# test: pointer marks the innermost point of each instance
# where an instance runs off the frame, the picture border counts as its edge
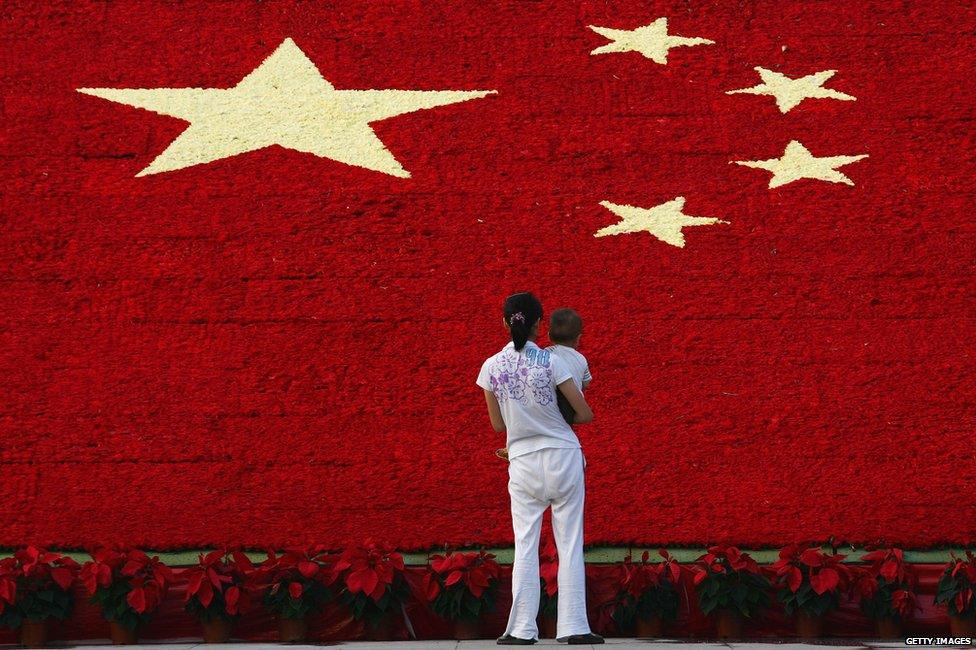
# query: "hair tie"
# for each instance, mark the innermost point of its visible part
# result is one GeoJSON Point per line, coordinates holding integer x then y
{"type": "Point", "coordinates": [517, 316]}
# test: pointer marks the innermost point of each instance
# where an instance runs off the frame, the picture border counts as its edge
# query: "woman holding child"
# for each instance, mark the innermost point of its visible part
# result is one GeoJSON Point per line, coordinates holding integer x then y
{"type": "Point", "coordinates": [521, 385]}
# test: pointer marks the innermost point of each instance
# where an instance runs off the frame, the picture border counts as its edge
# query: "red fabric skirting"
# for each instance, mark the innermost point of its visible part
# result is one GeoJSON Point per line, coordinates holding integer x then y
{"type": "Point", "coordinates": [334, 624]}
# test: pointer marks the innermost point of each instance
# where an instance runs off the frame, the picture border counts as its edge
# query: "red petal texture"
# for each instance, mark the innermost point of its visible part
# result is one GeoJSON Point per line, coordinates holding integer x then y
{"type": "Point", "coordinates": [364, 580]}
{"type": "Point", "coordinates": [431, 587]}
{"type": "Point", "coordinates": [794, 579]}
{"type": "Point", "coordinates": [824, 580]}
{"type": "Point", "coordinates": [377, 591]}
{"type": "Point", "coordinates": [233, 598]}
{"type": "Point", "coordinates": [8, 590]}
{"type": "Point", "coordinates": [453, 578]}
{"type": "Point", "coordinates": [215, 578]}
{"type": "Point", "coordinates": [206, 593]}
{"type": "Point", "coordinates": [889, 570]}
{"type": "Point", "coordinates": [194, 579]}
{"type": "Point", "coordinates": [63, 577]}
{"type": "Point", "coordinates": [812, 557]}
{"type": "Point", "coordinates": [137, 599]}
{"type": "Point", "coordinates": [290, 332]}
{"type": "Point", "coordinates": [104, 575]}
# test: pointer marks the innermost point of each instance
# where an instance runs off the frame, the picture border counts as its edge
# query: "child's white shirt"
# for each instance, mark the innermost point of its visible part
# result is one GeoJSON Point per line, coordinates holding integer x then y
{"type": "Point", "coordinates": [575, 362]}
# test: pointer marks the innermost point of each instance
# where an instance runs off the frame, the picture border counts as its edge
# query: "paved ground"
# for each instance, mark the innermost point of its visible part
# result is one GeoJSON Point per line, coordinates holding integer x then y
{"type": "Point", "coordinates": [612, 644]}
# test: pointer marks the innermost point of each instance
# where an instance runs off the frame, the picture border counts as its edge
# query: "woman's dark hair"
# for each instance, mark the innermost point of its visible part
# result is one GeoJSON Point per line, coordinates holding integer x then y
{"type": "Point", "coordinates": [522, 312]}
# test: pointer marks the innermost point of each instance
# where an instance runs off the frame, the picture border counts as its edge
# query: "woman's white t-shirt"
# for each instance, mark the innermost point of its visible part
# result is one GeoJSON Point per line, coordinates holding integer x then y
{"type": "Point", "coordinates": [524, 383]}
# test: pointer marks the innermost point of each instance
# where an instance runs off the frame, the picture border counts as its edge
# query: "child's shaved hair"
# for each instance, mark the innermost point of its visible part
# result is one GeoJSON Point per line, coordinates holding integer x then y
{"type": "Point", "coordinates": [564, 326]}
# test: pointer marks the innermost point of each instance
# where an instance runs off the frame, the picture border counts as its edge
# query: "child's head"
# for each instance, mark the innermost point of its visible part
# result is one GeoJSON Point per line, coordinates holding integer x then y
{"type": "Point", "coordinates": [523, 311]}
{"type": "Point", "coordinates": [565, 327]}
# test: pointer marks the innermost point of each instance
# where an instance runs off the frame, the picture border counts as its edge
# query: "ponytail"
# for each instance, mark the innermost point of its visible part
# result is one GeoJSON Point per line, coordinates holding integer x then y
{"type": "Point", "coordinates": [519, 330]}
{"type": "Point", "coordinates": [522, 312]}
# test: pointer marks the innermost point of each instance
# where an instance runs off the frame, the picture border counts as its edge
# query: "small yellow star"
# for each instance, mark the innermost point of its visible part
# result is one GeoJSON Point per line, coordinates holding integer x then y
{"type": "Point", "coordinates": [664, 221]}
{"type": "Point", "coordinates": [653, 41]}
{"type": "Point", "coordinates": [789, 92]}
{"type": "Point", "coordinates": [797, 162]}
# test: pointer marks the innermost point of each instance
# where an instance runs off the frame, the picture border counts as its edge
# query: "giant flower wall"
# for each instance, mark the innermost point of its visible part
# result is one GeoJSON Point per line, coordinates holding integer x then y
{"type": "Point", "coordinates": [252, 312]}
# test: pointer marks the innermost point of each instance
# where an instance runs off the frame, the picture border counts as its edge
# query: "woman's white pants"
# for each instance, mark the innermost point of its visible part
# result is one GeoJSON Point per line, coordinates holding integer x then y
{"type": "Point", "coordinates": [537, 480]}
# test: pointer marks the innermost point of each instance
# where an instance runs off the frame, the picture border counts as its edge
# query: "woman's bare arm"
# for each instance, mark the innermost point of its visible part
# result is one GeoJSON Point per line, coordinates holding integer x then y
{"type": "Point", "coordinates": [577, 401]}
{"type": "Point", "coordinates": [494, 412]}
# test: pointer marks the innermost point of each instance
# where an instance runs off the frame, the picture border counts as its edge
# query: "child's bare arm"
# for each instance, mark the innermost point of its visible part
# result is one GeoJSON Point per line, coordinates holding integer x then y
{"type": "Point", "coordinates": [577, 401]}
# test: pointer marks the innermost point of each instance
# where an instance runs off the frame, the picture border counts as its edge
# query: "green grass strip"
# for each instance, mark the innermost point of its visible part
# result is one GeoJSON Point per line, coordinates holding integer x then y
{"type": "Point", "coordinates": [593, 555]}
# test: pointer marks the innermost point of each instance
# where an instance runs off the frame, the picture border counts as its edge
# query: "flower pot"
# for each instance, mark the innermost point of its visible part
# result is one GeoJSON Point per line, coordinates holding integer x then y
{"type": "Point", "coordinates": [888, 628]}
{"type": "Point", "coordinates": [292, 630]}
{"type": "Point", "coordinates": [547, 627]}
{"type": "Point", "coordinates": [962, 626]}
{"type": "Point", "coordinates": [380, 629]}
{"type": "Point", "coordinates": [649, 628]}
{"type": "Point", "coordinates": [728, 624]}
{"type": "Point", "coordinates": [122, 635]}
{"type": "Point", "coordinates": [33, 634]}
{"type": "Point", "coordinates": [216, 630]}
{"type": "Point", "coordinates": [809, 626]}
{"type": "Point", "coordinates": [467, 629]}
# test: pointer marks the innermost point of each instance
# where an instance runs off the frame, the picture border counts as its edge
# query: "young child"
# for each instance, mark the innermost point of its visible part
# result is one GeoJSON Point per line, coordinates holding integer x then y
{"type": "Point", "coordinates": [565, 329]}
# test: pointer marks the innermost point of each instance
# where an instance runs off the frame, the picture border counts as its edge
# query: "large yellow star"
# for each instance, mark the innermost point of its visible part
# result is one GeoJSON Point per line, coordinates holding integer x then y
{"type": "Point", "coordinates": [284, 101]}
{"type": "Point", "coordinates": [664, 221]}
{"type": "Point", "coordinates": [652, 41]}
{"type": "Point", "coordinates": [789, 92]}
{"type": "Point", "coordinates": [797, 162]}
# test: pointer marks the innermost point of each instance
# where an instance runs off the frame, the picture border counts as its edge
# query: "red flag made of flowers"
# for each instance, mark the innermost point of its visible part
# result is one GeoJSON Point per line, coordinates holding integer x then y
{"type": "Point", "coordinates": [254, 254]}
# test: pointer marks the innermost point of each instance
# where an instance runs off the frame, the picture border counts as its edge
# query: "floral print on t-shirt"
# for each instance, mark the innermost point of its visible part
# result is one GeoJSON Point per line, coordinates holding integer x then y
{"type": "Point", "coordinates": [526, 378]}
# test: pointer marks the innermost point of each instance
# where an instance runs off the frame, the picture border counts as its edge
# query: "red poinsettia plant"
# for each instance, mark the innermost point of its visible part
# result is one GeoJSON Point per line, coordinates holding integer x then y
{"type": "Point", "coordinates": [647, 589]}
{"type": "Point", "coordinates": [8, 588]}
{"type": "Point", "coordinates": [886, 587]}
{"type": "Point", "coordinates": [729, 580]}
{"type": "Point", "coordinates": [35, 585]}
{"type": "Point", "coordinates": [809, 580]}
{"type": "Point", "coordinates": [296, 583]}
{"type": "Point", "coordinates": [462, 585]}
{"type": "Point", "coordinates": [371, 581]}
{"type": "Point", "coordinates": [955, 589]}
{"type": "Point", "coordinates": [956, 586]}
{"type": "Point", "coordinates": [220, 586]}
{"type": "Point", "coordinates": [127, 584]}
{"type": "Point", "coordinates": [548, 574]}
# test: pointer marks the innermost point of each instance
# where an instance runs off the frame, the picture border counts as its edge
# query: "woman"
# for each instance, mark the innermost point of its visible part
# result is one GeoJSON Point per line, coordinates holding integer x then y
{"type": "Point", "coordinates": [545, 470]}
